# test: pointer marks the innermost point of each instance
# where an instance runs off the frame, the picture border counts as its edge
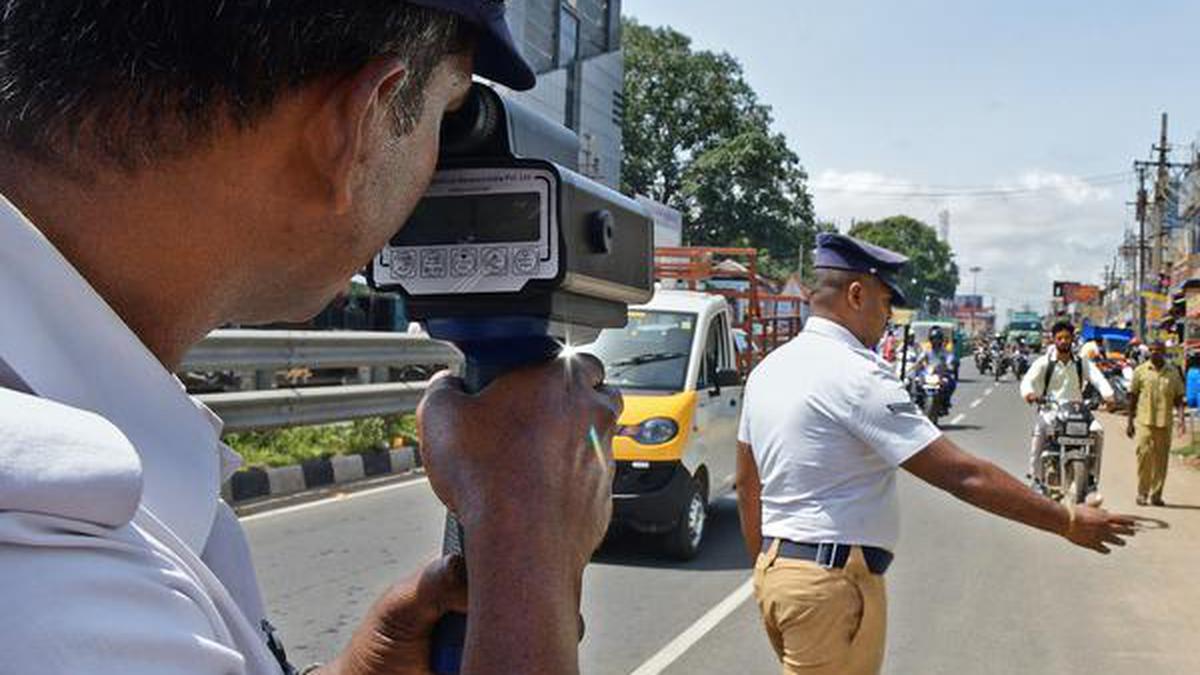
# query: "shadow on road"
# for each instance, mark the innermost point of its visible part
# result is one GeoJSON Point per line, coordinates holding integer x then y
{"type": "Point", "coordinates": [959, 427]}
{"type": "Point", "coordinates": [1181, 507]}
{"type": "Point", "coordinates": [1147, 523]}
{"type": "Point", "coordinates": [722, 548]}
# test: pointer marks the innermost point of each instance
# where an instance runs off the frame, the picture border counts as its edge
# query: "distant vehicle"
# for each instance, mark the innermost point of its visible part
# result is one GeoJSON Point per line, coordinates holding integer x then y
{"type": "Point", "coordinates": [955, 339]}
{"type": "Point", "coordinates": [1028, 327]}
{"type": "Point", "coordinates": [928, 390]}
{"type": "Point", "coordinates": [676, 364]}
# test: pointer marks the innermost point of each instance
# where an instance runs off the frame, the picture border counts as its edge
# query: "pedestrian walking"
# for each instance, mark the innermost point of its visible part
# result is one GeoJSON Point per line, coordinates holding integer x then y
{"type": "Point", "coordinates": [825, 425]}
{"type": "Point", "coordinates": [1155, 392]}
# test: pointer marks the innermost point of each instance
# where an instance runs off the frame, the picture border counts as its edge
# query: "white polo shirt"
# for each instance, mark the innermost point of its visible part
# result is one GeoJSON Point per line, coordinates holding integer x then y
{"type": "Point", "coordinates": [117, 555]}
{"type": "Point", "coordinates": [829, 424]}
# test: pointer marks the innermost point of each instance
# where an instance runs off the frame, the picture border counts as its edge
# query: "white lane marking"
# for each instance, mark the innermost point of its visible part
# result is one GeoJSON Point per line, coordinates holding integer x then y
{"type": "Point", "coordinates": [988, 391]}
{"type": "Point", "coordinates": [335, 498]}
{"type": "Point", "coordinates": [692, 634]}
{"type": "Point", "coordinates": [976, 402]}
{"type": "Point", "coordinates": [957, 418]}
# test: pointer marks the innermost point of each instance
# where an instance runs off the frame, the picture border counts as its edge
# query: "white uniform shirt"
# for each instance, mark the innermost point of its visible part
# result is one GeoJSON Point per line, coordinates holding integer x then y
{"type": "Point", "coordinates": [829, 424]}
{"type": "Point", "coordinates": [1064, 380]}
{"type": "Point", "coordinates": [117, 555]}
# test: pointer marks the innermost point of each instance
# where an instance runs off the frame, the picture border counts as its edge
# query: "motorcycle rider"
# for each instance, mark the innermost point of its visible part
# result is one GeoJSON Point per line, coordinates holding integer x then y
{"type": "Point", "coordinates": [941, 361]}
{"type": "Point", "coordinates": [1000, 360]}
{"type": "Point", "coordinates": [983, 354]}
{"type": "Point", "coordinates": [1060, 375]}
{"type": "Point", "coordinates": [1020, 357]}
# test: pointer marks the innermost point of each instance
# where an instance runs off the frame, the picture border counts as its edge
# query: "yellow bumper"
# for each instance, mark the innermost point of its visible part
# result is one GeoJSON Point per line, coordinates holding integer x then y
{"type": "Point", "coordinates": [678, 407]}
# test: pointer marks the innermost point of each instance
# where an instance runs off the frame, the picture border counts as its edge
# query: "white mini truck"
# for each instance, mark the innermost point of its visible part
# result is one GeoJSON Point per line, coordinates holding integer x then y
{"type": "Point", "coordinates": [675, 363]}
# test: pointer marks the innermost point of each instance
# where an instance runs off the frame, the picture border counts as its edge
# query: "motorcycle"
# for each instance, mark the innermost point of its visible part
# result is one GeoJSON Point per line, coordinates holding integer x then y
{"type": "Point", "coordinates": [1001, 365]}
{"type": "Point", "coordinates": [1114, 372]}
{"type": "Point", "coordinates": [1020, 364]}
{"type": "Point", "coordinates": [1068, 457]}
{"type": "Point", "coordinates": [928, 391]}
{"type": "Point", "coordinates": [983, 361]}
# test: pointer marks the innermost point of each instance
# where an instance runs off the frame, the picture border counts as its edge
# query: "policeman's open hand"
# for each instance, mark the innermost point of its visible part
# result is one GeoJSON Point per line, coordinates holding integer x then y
{"type": "Point", "coordinates": [1098, 529]}
{"type": "Point", "coordinates": [529, 457]}
{"type": "Point", "coordinates": [394, 638]}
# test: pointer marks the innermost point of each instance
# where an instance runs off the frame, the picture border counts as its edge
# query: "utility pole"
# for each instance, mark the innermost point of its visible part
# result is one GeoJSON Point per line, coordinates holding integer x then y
{"type": "Point", "coordinates": [1162, 185]}
{"type": "Point", "coordinates": [1140, 277]}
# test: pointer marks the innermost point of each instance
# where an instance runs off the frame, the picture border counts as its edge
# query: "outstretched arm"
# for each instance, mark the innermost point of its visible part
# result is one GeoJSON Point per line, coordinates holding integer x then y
{"type": "Point", "coordinates": [985, 485]}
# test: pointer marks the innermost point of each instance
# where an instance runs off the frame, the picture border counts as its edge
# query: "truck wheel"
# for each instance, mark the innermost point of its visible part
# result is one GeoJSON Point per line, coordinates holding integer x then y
{"type": "Point", "coordinates": [683, 543]}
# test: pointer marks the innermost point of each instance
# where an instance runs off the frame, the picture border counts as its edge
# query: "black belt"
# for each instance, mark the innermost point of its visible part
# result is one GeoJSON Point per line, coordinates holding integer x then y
{"type": "Point", "coordinates": [831, 555]}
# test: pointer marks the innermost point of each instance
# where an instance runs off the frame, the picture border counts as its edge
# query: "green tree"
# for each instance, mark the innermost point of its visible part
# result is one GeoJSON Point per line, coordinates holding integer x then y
{"type": "Point", "coordinates": [697, 139]}
{"type": "Point", "coordinates": [931, 273]}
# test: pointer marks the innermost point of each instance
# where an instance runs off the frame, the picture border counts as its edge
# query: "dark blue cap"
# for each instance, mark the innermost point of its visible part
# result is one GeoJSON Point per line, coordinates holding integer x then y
{"type": "Point", "coordinates": [496, 56]}
{"type": "Point", "coordinates": [840, 252]}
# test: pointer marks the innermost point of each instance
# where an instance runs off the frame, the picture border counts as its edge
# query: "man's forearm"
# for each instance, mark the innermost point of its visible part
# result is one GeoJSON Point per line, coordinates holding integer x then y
{"type": "Point", "coordinates": [523, 608]}
{"type": "Point", "coordinates": [749, 504]}
{"type": "Point", "coordinates": [992, 489]}
{"type": "Point", "coordinates": [749, 499]}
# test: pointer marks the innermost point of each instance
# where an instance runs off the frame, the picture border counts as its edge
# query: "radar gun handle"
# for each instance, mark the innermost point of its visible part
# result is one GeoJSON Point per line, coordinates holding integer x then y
{"type": "Point", "coordinates": [486, 358]}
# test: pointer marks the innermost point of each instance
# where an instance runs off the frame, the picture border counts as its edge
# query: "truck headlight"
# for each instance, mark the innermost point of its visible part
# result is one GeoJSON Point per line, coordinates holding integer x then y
{"type": "Point", "coordinates": [654, 431]}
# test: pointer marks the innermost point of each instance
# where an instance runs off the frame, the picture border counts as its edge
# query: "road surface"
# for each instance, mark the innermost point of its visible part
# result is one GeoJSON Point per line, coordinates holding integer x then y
{"type": "Point", "coordinates": [969, 593]}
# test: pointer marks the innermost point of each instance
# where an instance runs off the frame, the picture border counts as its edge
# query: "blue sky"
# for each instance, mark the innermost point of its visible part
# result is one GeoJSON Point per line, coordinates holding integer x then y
{"type": "Point", "coordinates": [885, 97]}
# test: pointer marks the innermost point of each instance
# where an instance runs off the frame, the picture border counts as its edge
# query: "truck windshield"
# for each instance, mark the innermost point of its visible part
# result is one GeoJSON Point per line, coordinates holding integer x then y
{"type": "Point", "coordinates": [650, 352]}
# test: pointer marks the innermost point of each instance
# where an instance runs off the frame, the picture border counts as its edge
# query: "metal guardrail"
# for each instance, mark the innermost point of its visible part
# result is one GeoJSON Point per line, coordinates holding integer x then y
{"type": "Point", "coordinates": [271, 350]}
{"type": "Point", "coordinates": [246, 410]}
{"type": "Point", "coordinates": [240, 349]}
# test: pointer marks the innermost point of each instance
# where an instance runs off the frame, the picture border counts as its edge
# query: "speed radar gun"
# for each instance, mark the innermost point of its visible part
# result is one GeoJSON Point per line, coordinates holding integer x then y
{"type": "Point", "coordinates": [510, 255]}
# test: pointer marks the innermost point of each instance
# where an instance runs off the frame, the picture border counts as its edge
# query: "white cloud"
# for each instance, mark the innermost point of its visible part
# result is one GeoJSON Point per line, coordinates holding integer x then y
{"type": "Point", "coordinates": [1025, 232]}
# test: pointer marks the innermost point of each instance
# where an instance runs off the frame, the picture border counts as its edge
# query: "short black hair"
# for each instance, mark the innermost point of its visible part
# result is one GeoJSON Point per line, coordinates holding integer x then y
{"type": "Point", "coordinates": [830, 280]}
{"type": "Point", "coordinates": [1062, 325]}
{"type": "Point", "coordinates": [127, 82]}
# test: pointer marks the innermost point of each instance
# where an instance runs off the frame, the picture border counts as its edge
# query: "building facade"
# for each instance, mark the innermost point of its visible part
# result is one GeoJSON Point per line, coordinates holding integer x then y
{"type": "Point", "coordinates": [973, 316]}
{"type": "Point", "coordinates": [574, 47]}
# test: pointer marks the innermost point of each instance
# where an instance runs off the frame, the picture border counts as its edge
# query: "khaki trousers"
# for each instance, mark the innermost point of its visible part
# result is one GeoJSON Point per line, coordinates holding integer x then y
{"type": "Point", "coordinates": [1153, 452]}
{"type": "Point", "coordinates": [822, 621]}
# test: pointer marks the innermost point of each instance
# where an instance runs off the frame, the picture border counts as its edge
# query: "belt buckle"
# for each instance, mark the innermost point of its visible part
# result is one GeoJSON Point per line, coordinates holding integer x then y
{"type": "Point", "coordinates": [830, 561]}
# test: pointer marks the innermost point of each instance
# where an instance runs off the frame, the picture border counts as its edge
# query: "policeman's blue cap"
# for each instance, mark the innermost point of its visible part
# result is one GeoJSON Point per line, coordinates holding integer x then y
{"type": "Point", "coordinates": [840, 252]}
{"type": "Point", "coordinates": [496, 56]}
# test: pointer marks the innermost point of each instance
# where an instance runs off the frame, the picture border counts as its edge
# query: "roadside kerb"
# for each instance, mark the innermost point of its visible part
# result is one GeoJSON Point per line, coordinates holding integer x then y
{"type": "Point", "coordinates": [257, 482]}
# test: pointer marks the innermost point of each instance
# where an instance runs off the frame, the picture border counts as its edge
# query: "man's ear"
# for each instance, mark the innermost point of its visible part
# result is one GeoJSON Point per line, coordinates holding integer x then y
{"type": "Point", "coordinates": [855, 293]}
{"type": "Point", "coordinates": [336, 136]}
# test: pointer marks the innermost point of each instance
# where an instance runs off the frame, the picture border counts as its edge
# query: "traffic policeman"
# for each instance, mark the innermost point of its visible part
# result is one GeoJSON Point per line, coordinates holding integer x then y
{"type": "Point", "coordinates": [171, 166]}
{"type": "Point", "coordinates": [824, 427]}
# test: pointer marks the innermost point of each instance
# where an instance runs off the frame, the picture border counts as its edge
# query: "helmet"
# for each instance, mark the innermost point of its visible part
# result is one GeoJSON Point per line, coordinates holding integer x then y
{"type": "Point", "coordinates": [936, 334]}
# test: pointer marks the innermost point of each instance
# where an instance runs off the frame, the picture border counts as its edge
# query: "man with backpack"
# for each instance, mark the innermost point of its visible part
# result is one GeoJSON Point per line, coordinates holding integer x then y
{"type": "Point", "coordinates": [1061, 375]}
